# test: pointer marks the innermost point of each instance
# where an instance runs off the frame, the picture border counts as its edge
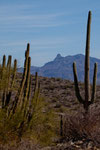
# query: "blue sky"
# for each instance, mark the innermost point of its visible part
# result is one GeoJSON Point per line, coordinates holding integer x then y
{"type": "Point", "coordinates": [50, 26]}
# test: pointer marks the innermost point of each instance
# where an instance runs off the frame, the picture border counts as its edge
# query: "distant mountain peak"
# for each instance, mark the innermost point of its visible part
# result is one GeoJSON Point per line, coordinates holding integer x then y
{"type": "Point", "coordinates": [58, 57]}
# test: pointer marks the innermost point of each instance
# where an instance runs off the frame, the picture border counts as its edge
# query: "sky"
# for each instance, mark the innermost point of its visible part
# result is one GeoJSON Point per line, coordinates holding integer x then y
{"type": "Point", "coordinates": [50, 26]}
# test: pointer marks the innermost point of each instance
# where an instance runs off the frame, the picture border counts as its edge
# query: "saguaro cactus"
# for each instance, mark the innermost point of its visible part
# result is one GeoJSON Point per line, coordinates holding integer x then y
{"type": "Point", "coordinates": [87, 101]}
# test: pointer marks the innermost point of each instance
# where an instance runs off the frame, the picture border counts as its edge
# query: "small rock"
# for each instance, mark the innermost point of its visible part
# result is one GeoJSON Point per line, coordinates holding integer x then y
{"type": "Point", "coordinates": [46, 148]}
{"type": "Point", "coordinates": [90, 145]}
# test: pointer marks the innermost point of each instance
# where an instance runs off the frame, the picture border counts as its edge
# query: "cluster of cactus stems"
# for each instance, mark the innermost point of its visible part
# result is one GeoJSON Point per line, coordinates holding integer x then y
{"type": "Point", "coordinates": [5, 81]}
{"type": "Point", "coordinates": [22, 100]}
{"type": "Point", "coordinates": [88, 100]}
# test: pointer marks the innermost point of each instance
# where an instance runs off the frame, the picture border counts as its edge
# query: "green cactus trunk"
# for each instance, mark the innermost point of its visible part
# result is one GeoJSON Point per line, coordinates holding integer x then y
{"type": "Point", "coordinates": [25, 103]}
{"type": "Point", "coordinates": [19, 97]}
{"type": "Point", "coordinates": [87, 64]}
{"type": "Point", "coordinates": [3, 67]}
{"type": "Point", "coordinates": [24, 74]}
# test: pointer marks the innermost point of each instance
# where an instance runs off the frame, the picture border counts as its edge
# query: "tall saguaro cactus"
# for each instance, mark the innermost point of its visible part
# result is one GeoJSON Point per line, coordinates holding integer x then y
{"type": "Point", "coordinates": [87, 101]}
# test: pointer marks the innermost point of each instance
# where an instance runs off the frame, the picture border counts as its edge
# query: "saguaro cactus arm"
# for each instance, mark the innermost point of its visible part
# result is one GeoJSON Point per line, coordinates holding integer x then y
{"type": "Point", "coordinates": [77, 91]}
{"type": "Point", "coordinates": [94, 83]}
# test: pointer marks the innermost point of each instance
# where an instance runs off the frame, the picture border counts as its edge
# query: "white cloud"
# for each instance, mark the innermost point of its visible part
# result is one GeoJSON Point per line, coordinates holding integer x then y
{"type": "Point", "coordinates": [39, 42]}
{"type": "Point", "coordinates": [13, 18]}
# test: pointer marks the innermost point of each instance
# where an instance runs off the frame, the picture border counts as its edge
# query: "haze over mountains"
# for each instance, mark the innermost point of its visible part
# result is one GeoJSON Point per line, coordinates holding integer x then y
{"type": "Point", "coordinates": [61, 67]}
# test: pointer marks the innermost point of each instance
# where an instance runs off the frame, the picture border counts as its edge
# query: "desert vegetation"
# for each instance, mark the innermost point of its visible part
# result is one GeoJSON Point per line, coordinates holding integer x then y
{"type": "Point", "coordinates": [22, 109]}
{"type": "Point", "coordinates": [38, 111]}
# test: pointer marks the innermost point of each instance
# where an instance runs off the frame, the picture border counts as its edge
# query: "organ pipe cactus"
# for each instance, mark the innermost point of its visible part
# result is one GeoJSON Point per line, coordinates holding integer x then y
{"type": "Point", "coordinates": [19, 97]}
{"type": "Point", "coordinates": [14, 73]}
{"type": "Point", "coordinates": [30, 111]}
{"type": "Point", "coordinates": [6, 93]}
{"type": "Point", "coordinates": [12, 82]}
{"type": "Point", "coordinates": [24, 99]}
{"type": "Point", "coordinates": [27, 88]}
{"type": "Point", "coordinates": [36, 82]}
{"type": "Point", "coordinates": [4, 61]}
{"type": "Point", "coordinates": [3, 66]}
{"type": "Point", "coordinates": [24, 74]}
{"type": "Point", "coordinates": [87, 101]}
{"type": "Point", "coordinates": [8, 71]}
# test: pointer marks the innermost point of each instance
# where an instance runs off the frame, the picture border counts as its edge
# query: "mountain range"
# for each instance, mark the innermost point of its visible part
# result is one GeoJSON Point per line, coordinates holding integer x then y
{"type": "Point", "coordinates": [61, 67]}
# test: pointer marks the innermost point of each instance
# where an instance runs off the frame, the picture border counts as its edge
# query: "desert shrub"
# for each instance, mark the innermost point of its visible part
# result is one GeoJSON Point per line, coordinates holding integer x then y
{"type": "Point", "coordinates": [43, 126]}
{"type": "Point", "coordinates": [58, 79]}
{"type": "Point", "coordinates": [41, 129]}
{"type": "Point", "coordinates": [81, 126]}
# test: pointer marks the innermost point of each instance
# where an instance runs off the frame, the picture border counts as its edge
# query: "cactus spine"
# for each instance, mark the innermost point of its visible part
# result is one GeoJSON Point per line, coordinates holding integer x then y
{"type": "Point", "coordinates": [87, 100]}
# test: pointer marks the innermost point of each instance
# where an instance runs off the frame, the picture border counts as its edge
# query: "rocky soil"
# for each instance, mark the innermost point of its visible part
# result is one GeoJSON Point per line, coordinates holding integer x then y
{"type": "Point", "coordinates": [77, 145]}
{"type": "Point", "coordinates": [60, 96]}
